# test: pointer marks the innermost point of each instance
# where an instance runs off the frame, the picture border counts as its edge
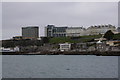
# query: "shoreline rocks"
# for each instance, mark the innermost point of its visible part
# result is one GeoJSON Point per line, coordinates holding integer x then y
{"type": "Point", "coordinates": [97, 53]}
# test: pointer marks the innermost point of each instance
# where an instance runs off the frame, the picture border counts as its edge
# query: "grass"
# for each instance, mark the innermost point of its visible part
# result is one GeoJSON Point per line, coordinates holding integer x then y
{"type": "Point", "coordinates": [73, 39]}
{"type": "Point", "coordinates": [60, 40]}
{"type": "Point", "coordinates": [91, 36]}
{"type": "Point", "coordinates": [117, 36]}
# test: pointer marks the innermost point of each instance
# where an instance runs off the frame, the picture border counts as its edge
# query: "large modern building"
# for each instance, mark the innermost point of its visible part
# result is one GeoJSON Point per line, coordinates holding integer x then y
{"type": "Point", "coordinates": [30, 32]}
{"type": "Point", "coordinates": [100, 29]}
{"type": "Point", "coordinates": [52, 31]}
{"type": "Point", "coordinates": [75, 31]}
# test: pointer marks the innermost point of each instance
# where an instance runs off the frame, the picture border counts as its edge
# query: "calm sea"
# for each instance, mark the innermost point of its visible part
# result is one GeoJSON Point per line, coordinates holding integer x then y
{"type": "Point", "coordinates": [59, 66]}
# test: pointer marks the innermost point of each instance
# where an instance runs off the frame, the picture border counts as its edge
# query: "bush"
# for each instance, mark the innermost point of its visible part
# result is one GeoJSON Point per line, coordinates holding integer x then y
{"type": "Point", "coordinates": [109, 35]}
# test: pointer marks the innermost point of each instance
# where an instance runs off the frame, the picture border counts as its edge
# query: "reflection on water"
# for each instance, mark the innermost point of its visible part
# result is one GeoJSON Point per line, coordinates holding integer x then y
{"type": "Point", "coordinates": [0, 66]}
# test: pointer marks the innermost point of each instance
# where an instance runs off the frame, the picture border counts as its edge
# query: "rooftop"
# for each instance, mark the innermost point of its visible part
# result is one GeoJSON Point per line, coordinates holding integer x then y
{"type": "Point", "coordinates": [31, 27]}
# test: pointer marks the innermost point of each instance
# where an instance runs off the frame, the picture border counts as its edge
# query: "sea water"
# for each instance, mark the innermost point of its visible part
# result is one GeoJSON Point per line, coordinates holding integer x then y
{"type": "Point", "coordinates": [59, 66]}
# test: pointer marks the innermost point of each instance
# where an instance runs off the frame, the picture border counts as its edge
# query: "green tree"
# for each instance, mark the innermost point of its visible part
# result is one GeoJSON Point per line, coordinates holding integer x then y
{"type": "Point", "coordinates": [109, 35]}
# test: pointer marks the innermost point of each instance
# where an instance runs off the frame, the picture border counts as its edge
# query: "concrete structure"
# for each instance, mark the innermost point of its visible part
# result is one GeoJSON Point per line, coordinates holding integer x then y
{"type": "Point", "coordinates": [65, 47]}
{"type": "Point", "coordinates": [52, 31]}
{"type": "Point", "coordinates": [100, 29]}
{"type": "Point", "coordinates": [30, 32]}
{"type": "Point", "coordinates": [75, 31]}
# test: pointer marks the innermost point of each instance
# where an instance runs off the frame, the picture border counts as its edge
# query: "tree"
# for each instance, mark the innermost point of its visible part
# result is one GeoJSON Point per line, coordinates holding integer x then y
{"type": "Point", "coordinates": [45, 39]}
{"type": "Point", "coordinates": [109, 35]}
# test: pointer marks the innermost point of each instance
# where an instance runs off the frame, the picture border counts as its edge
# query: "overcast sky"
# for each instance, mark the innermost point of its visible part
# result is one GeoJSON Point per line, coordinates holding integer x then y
{"type": "Point", "coordinates": [19, 14]}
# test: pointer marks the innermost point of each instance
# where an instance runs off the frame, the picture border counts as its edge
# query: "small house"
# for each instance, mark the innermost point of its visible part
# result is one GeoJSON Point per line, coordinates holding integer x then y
{"type": "Point", "coordinates": [65, 47]}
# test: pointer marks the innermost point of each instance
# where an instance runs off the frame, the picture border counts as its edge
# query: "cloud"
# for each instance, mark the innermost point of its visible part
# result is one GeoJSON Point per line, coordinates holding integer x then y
{"type": "Point", "coordinates": [18, 14]}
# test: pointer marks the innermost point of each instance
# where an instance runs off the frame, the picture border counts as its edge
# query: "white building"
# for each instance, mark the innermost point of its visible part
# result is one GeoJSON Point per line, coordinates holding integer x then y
{"type": "Point", "coordinates": [15, 49]}
{"type": "Point", "coordinates": [75, 31]}
{"type": "Point", "coordinates": [100, 29]}
{"type": "Point", "coordinates": [52, 31]}
{"type": "Point", "coordinates": [65, 47]}
{"type": "Point", "coordinates": [2, 49]}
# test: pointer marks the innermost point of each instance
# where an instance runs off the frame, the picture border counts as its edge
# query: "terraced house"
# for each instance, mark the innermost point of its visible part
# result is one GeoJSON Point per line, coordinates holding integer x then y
{"type": "Point", "coordinates": [100, 29]}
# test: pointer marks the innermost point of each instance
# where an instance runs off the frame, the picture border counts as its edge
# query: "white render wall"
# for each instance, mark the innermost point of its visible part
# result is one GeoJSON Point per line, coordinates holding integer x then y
{"type": "Point", "coordinates": [65, 47]}
{"type": "Point", "coordinates": [80, 31]}
{"type": "Point", "coordinates": [101, 30]}
{"type": "Point", "coordinates": [92, 30]}
{"type": "Point", "coordinates": [75, 31]}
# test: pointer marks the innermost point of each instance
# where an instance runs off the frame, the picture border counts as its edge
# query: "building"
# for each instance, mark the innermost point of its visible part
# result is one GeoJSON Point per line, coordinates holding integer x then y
{"type": "Point", "coordinates": [17, 38]}
{"type": "Point", "coordinates": [15, 49]}
{"type": "Point", "coordinates": [100, 29]}
{"type": "Point", "coordinates": [30, 32]}
{"type": "Point", "coordinates": [100, 46]}
{"type": "Point", "coordinates": [113, 43]}
{"type": "Point", "coordinates": [75, 31]}
{"type": "Point", "coordinates": [81, 47]}
{"type": "Point", "coordinates": [52, 31]}
{"type": "Point", "coordinates": [65, 47]}
{"type": "Point", "coordinates": [100, 39]}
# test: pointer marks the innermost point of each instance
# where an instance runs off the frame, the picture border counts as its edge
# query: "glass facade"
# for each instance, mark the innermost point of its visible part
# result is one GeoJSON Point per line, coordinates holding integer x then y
{"type": "Point", "coordinates": [30, 32]}
{"type": "Point", "coordinates": [53, 31]}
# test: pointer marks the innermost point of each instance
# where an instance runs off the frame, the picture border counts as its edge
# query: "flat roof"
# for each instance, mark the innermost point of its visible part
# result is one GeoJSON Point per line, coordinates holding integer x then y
{"type": "Point", "coordinates": [31, 27]}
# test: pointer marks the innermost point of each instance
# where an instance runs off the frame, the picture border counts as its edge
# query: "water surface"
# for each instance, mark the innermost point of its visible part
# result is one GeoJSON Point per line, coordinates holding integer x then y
{"type": "Point", "coordinates": [59, 66]}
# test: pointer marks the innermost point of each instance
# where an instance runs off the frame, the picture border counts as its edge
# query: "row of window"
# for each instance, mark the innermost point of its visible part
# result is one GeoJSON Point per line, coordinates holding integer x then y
{"type": "Point", "coordinates": [59, 35]}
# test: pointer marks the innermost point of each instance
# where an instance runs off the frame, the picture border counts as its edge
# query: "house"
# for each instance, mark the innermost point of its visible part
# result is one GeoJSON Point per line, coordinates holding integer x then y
{"type": "Point", "coordinates": [65, 47]}
{"type": "Point", "coordinates": [113, 43]}
{"type": "Point", "coordinates": [101, 46]}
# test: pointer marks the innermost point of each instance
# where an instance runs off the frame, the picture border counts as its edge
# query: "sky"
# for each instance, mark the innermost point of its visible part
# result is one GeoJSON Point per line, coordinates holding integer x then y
{"type": "Point", "coordinates": [76, 14]}
{"type": "Point", "coordinates": [0, 21]}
